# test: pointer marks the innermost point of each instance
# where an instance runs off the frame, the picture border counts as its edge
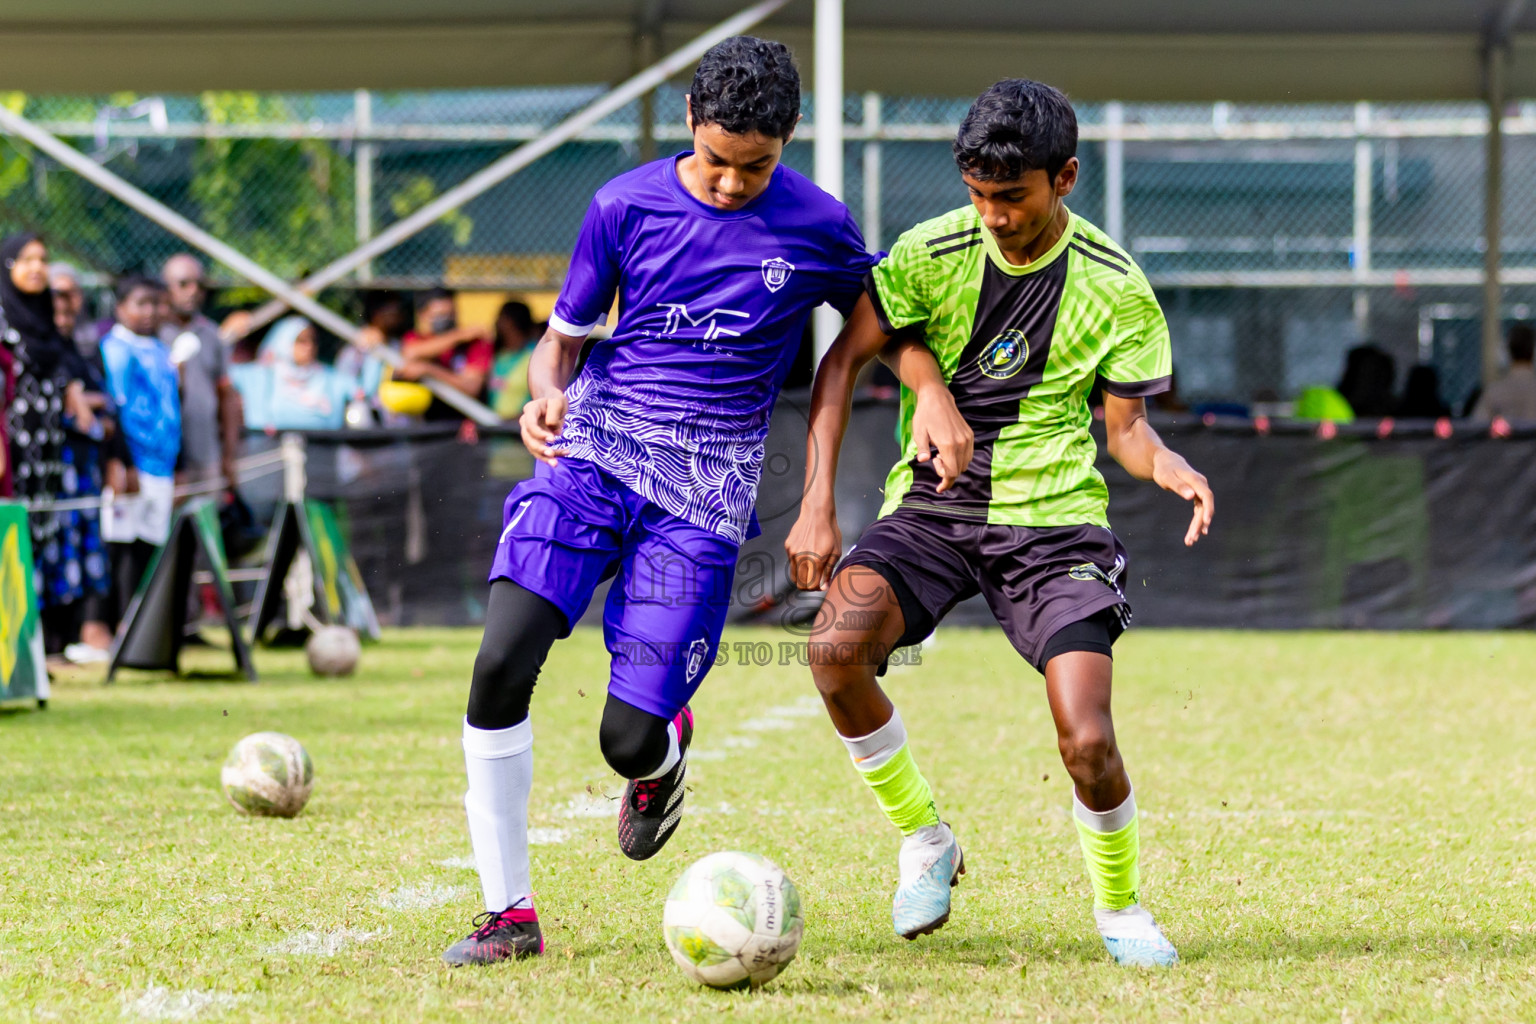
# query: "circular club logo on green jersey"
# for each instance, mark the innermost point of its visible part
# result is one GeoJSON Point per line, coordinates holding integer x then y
{"type": "Point", "coordinates": [1005, 355]}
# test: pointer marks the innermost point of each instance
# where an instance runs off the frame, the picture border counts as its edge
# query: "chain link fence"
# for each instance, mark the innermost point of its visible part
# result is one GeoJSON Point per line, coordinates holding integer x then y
{"type": "Point", "coordinates": [1277, 236]}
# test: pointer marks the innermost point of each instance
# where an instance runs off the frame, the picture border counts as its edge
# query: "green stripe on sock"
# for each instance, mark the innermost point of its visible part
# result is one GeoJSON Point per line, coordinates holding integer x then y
{"type": "Point", "coordinates": [1113, 860]}
{"type": "Point", "coordinates": [902, 792]}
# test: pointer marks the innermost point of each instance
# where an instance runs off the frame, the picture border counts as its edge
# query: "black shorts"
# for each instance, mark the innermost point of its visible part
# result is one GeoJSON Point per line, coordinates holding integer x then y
{"type": "Point", "coordinates": [1036, 580]}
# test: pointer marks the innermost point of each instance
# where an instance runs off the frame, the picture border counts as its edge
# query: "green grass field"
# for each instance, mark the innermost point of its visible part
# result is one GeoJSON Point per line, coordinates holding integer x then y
{"type": "Point", "coordinates": [1336, 828]}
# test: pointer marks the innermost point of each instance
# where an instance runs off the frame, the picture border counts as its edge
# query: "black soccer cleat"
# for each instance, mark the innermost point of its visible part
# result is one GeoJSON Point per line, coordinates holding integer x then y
{"type": "Point", "coordinates": [652, 808]}
{"type": "Point", "coordinates": [513, 932]}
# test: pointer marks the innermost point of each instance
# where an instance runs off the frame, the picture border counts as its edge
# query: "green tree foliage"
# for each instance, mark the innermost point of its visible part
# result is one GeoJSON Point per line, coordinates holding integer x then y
{"type": "Point", "coordinates": [286, 204]}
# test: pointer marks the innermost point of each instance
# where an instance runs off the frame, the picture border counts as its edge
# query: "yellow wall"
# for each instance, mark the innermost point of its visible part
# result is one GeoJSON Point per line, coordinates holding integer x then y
{"type": "Point", "coordinates": [478, 309]}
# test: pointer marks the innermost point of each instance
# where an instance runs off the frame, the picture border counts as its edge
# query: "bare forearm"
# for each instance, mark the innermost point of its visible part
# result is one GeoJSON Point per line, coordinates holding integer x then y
{"type": "Point", "coordinates": [552, 363]}
{"type": "Point", "coordinates": [860, 340]}
{"type": "Point", "coordinates": [1136, 447]}
{"type": "Point", "coordinates": [831, 404]}
{"type": "Point", "coordinates": [438, 344]}
{"type": "Point", "coordinates": [913, 364]}
{"type": "Point", "coordinates": [231, 416]}
{"type": "Point", "coordinates": [466, 383]}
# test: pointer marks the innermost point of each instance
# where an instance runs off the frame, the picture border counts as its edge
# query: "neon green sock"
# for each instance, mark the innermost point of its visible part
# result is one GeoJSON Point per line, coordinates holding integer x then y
{"type": "Point", "coordinates": [1113, 861]}
{"type": "Point", "coordinates": [902, 792]}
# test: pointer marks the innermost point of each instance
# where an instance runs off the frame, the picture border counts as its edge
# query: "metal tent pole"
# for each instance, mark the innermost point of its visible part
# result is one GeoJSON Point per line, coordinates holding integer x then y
{"type": "Point", "coordinates": [502, 169]}
{"type": "Point", "coordinates": [1496, 47]}
{"type": "Point", "coordinates": [1493, 188]}
{"type": "Point", "coordinates": [874, 152]}
{"type": "Point", "coordinates": [1360, 245]}
{"type": "Point", "coordinates": [366, 155]}
{"type": "Point", "coordinates": [193, 235]}
{"type": "Point", "coordinates": [829, 135]}
{"type": "Point", "coordinates": [1114, 172]}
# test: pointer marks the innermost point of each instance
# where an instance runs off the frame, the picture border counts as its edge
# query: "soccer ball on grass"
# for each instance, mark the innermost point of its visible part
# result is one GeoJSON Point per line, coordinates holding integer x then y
{"type": "Point", "coordinates": [268, 773]}
{"type": "Point", "coordinates": [333, 651]}
{"type": "Point", "coordinates": [732, 920]}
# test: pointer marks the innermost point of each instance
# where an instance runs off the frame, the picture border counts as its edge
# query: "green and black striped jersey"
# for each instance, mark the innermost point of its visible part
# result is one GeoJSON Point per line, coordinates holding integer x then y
{"type": "Point", "coordinates": [1020, 348]}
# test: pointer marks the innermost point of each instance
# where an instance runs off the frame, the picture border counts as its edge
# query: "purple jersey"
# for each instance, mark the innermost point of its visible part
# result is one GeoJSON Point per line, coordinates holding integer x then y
{"type": "Point", "coordinates": [713, 304]}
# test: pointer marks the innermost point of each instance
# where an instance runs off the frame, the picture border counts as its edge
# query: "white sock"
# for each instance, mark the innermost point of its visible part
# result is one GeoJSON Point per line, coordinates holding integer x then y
{"type": "Point", "coordinates": [499, 763]}
{"type": "Point", "coordinates": [674, 753]}
{"type": "Point", "coordinates": [1112, 820]}
{"type": "Point", "coordinates": [873, 751]}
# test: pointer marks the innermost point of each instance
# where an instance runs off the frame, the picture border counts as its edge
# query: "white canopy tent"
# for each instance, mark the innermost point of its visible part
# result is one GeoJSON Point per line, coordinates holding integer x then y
{"type": "Point", "coordinates": [1175, 50]}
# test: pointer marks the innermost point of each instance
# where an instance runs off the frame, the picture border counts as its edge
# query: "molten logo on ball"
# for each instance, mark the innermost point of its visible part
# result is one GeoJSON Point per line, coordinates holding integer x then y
{"type": "Point", "coordinates": [732, 920]}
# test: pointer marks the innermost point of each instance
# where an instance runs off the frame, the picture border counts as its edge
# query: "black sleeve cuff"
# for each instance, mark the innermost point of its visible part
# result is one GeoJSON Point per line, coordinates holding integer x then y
{"type": "Point", "coordinates": [1137, 388]}
{"type": "Point", "coordinates": [874, 299]}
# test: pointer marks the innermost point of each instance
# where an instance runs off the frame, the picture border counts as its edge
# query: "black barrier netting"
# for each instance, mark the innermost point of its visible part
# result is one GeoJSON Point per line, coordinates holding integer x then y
{"type": "Point", "coordinates": [1408, 532]}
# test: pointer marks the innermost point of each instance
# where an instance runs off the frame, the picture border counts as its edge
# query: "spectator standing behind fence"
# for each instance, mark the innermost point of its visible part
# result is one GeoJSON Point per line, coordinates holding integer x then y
{"type": "Point", "coordinates": [143, 383]}
{"type": "Point", "coordinates": [1369, 373]}
{"type": "Point", "coordinates": [288, 388]}
{"type": "Point", "coordinates": [82, 477]}
{"type": "Point", "coordinates": [1421, 395]}
{"type": "Point", "coordinates": [210, 405]}
{"type": "Point", "coordinates": [48, 398]}
{"type": "Point", "coordinates": [439, 349]}
{"type": "Point", "coordinates": [507, 391]}
{"type": "Point", "coordinates": [384, 322]}
{"type": "Point", "coordinates": [1513, 396]}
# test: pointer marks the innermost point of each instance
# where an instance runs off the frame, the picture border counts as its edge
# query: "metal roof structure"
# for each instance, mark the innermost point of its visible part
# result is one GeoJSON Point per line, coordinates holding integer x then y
{"type": "Point", "coordinates": [1175, 50]}
{"type": "Point", "coordinates": [1194, 50]}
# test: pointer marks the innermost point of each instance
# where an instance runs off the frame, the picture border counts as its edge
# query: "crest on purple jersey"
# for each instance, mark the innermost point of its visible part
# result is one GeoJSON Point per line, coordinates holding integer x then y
{"type": "Point", "coordinates": [776, 272]}
{"type": "Point", "coordinates": [696, 653]}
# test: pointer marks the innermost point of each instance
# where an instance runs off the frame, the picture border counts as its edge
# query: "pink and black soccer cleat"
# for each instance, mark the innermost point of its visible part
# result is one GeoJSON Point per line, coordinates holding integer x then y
{"type": "Point", "coordinates": [652, 808]}
{"type": "Point", "coordinates": [513, 932]}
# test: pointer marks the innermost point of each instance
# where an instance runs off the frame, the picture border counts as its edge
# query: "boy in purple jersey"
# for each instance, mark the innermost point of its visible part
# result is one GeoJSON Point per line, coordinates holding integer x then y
{"type": "Point", "coordinates": [649, 459]}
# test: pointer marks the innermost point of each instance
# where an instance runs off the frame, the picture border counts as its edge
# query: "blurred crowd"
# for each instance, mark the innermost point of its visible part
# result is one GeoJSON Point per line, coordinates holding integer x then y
{"type": "Point", "coordinates": [1367, 388]}
{"type": "Point", "coordinates": [111, 419]}
{"type": "Point", "coordinates": [115, 414]}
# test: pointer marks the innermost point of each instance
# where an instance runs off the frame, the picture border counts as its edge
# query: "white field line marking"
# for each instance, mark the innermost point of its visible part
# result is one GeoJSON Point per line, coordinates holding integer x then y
{"type": "Point", "coordinates": [547, 836]}
{"type": "Point", "coordinates": [721, 808]}
{"type": "Point", "coordinates": [310, 943]}
{"type": "Point", "coordinates": [588, 805]}
{"type": "Point", "coordinates": [160, 1003]}
{"type": "Point", "coordinates": [458, 863]}
{"type": "Point", "coordinates": [765, 723]}
{"type": "Point", "coordinates": [420, 897]}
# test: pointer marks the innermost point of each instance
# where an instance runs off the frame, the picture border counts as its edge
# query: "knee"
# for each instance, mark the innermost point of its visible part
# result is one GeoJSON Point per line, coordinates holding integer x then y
{"type": "Point", "coordinates": [1087, 754]}
{"type": "Point", "coordinates": [840, 663]}
{"type": "Point", "coordinates": [500, 665]}
{"type": "Point", "coordinates": [634, 746]}
{"type": "Point", "coordinates": [501, 687]}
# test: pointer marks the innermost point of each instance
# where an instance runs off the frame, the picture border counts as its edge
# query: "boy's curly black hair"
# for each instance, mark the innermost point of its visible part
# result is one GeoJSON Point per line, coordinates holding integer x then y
{"type": "Point", "coordinates": [745, 84]}
{"type": "Point", "coordinates": [1016, 126]}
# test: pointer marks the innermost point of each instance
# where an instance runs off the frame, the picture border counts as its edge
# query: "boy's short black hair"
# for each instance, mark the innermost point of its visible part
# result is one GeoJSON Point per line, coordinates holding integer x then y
{"type": "Point", "coordinates": [745, 84]}
{"type": "Point", "coordinates": [1014, 127]}
{"type": "Point", "coordinates": [519, 313]}
{"type": "Point", "coordinates": [1522, 343]}
{"type": "Point", "coordinates": [376, 300]}
{"type": "Point", "coordinates": [434, 294]}
{"type": "Point", "coordinates": [130, 283]}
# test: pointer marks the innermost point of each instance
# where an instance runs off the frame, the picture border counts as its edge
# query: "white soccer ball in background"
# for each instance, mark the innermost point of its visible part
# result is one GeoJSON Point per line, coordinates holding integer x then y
{"type": "Point", "coordinates": [268, 773]}
{"type": "Point", "coordinates": [333, 651]}
{"type": "Point", "coordinates": [733, 919]}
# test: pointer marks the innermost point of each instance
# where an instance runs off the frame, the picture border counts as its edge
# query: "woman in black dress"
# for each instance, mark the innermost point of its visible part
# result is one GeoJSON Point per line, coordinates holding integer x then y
{"type": "Point", "coordinates": [48, 398]}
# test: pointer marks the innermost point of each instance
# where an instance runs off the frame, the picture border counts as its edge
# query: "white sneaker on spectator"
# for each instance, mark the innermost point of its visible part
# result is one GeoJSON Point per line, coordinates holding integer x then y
{"type": "Point", "coordinates": [85, 654]}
